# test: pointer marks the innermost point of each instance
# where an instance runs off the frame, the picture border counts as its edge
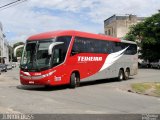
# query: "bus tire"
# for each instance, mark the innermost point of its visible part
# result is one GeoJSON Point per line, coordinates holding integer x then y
{"type": "Point", "coordinates": [127, 73]}
{"type": "Point", "coordinates": [74, 80]}
{"type": "Point", "coordinates": [47, 86]}
{"type": "Point", "coordinates": [121, 75]}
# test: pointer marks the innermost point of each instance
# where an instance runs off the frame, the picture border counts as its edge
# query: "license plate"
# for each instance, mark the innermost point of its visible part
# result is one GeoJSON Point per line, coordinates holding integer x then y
{"type": "Point", "coordinates": [31, 82]}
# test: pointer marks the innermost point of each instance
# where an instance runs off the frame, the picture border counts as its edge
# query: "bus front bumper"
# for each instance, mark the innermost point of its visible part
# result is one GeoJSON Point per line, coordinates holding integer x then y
{"type": "Point", "coordinates": [44, 79]}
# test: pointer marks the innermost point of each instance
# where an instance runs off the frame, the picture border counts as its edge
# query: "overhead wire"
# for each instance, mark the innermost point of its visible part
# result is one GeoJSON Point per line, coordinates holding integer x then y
{"type": "Point", "coordinates": [14, 3]}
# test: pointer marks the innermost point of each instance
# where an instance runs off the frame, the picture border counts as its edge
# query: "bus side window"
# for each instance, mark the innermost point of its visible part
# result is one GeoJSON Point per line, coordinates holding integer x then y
{"type": "Point", "coordinates": [57, 56]}
{"type": "Point", "coordinates": [64, 47]}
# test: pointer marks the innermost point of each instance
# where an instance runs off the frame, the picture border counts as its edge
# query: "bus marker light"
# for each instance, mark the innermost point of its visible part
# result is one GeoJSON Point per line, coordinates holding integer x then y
{"type": "Point", "coordinates": [57, 78]}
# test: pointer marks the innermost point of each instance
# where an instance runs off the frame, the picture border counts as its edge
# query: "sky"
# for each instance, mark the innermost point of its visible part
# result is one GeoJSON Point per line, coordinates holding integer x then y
{"type": "Point", "coordinates": [36, 16]}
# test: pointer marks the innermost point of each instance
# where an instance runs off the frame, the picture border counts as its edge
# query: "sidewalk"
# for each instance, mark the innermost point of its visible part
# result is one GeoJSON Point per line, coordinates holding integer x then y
{"type": "Point", "coordinates": [4, 110]}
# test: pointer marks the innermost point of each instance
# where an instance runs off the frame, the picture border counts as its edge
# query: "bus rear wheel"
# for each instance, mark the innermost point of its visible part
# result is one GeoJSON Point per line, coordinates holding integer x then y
{"type": "Point", "coordinates": [74, 80]}
{"type": "Point", "coordinates": [121, 75]}
{"type": "Point", "coordinates": [127, 73]}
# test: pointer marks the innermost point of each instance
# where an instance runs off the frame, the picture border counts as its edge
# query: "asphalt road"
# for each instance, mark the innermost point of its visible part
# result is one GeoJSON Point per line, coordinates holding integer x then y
{"type": "Point", "coordinates": [96, 97]}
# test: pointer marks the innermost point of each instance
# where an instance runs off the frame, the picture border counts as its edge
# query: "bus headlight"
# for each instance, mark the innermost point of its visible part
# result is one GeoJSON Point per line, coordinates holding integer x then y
{"type": "Point", "coordinates": [26, 77]}
{"type": "Point", "coordinates": [49, 74]}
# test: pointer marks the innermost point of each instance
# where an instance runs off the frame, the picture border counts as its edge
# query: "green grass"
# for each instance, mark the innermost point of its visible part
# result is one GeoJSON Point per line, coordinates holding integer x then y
{"type": "Point", "coordinates": [152, 89]}
{"type": "Point", "coordinates": [141, 87]}
{"type": "Point", "coordinates": [157, 90]}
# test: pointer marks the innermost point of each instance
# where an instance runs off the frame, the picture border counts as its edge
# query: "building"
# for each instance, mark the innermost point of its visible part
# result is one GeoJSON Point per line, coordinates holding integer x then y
{"type": "Point", "coordinates": [118, 26]}
{"type": "Point", "coordinates": [4, 52]}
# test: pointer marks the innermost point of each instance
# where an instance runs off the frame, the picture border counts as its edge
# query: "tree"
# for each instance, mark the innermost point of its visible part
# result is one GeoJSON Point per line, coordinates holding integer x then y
{"type": "Point", "coordinates": [148, 33]}
{"type": "Point", "coordinates": [130, 37]}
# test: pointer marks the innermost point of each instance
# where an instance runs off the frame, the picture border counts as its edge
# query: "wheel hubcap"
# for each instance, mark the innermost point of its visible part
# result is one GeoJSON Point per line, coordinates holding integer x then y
{"type": "Point", "coordinates": [121, 76]}
{"type": "Point", "coordinates": [127, 74]}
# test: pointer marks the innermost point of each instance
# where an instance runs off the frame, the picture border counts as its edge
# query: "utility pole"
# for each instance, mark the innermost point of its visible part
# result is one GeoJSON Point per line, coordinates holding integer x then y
{"type": "Point", "coordinates": [11, 53]}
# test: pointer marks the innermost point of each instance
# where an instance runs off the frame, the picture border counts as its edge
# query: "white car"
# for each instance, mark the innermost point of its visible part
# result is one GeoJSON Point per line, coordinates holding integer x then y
{"type": "Point", "coordinates": [144, 64]}
{"type": "Point", "coordinates": [9, 66]}
{"type": "Point", "coordinates": [13, 64]}
{"type": "Point", "coordinates": [155, 64]}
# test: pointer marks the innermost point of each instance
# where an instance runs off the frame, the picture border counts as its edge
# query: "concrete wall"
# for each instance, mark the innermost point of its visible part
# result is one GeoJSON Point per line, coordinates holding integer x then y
{"type": "Point", "coordinates": [4, 52]}
{"type": "Point", "coordinates": [111, 29]}
{"type": "Point", "coordinates": [119, 25]}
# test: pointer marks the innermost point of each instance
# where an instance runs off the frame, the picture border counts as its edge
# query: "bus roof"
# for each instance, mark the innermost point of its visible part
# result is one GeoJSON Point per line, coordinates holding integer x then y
{"type": "Point", "coordinates": [53, 34]}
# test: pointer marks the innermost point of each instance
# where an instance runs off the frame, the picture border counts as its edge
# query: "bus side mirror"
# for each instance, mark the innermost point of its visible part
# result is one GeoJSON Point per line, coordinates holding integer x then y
{"type": "Point", "coordinates": [15, 49]}
{"type": "Point", "coordinates": [51, 46]}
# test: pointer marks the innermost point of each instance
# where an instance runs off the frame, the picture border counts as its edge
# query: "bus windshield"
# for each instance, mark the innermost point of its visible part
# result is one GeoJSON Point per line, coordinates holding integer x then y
{"type": "Point", "coordinates": [35, 55]}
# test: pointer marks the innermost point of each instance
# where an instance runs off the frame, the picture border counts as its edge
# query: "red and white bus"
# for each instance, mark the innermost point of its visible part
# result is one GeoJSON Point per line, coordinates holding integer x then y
{"type": "Point", "coordinates": [68, 57]}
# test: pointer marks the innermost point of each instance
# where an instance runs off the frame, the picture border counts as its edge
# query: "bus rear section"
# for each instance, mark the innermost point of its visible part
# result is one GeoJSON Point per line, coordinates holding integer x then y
{"type": "Point", "coordinates": [96, 59]}
{"type": "Point", "coordinates": [68, 57]}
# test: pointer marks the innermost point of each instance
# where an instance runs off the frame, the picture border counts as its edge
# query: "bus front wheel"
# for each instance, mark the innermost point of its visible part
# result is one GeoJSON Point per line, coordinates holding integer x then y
{"type": "Point", "coordinates": [74, 80]}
